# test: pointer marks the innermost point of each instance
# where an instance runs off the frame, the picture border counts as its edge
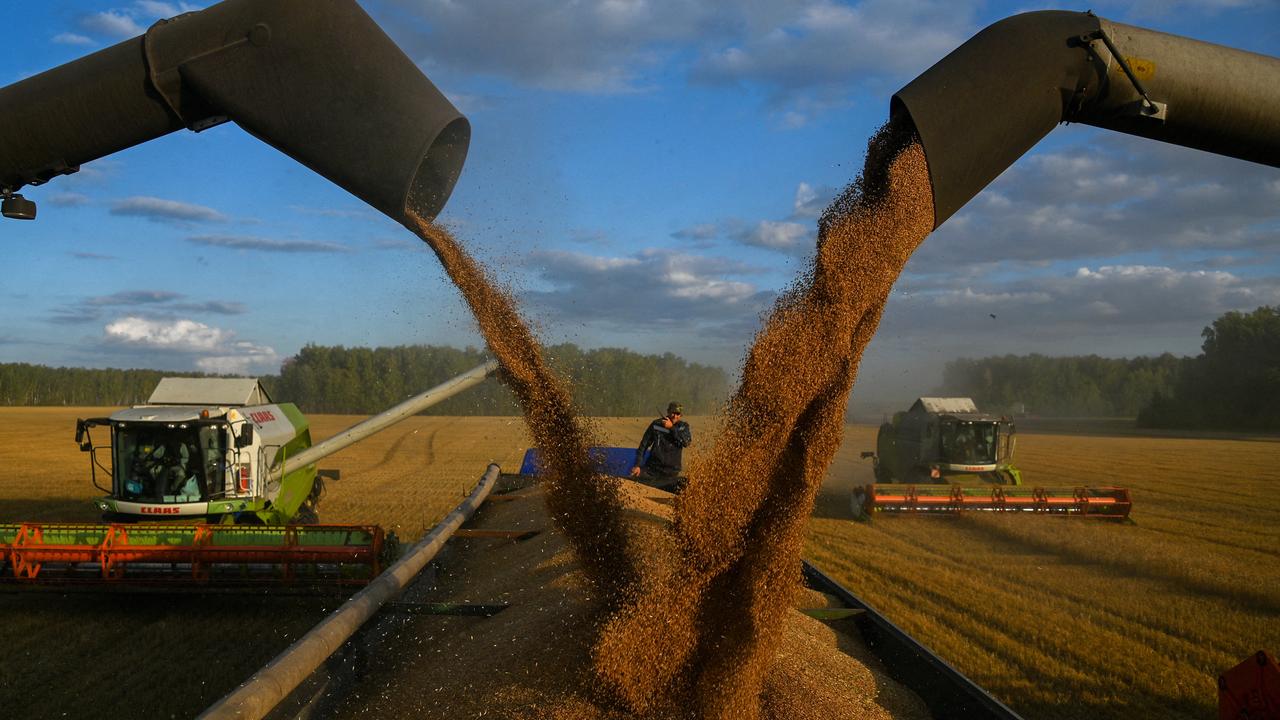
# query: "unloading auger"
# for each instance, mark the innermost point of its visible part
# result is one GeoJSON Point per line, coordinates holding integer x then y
{"type": "Point", "coordinates": [316, 79]}
{"type": "Point", "coordinates": [990, 100]}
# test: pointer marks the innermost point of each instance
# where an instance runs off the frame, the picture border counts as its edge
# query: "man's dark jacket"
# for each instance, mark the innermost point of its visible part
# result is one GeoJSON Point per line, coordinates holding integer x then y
{"type": "Point", "coordinates": [664, 447]}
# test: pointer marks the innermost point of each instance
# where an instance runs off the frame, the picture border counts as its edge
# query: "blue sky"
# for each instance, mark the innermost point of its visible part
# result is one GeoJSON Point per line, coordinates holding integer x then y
{"type": "Point", "coordinates": [645, 174]}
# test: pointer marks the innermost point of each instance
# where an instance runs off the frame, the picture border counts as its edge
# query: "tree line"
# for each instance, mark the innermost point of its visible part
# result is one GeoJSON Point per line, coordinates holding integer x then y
{"type": "Point", "coordinates": [1234, 384]}
{"type": "Point", "coordinates": [358, 380]}
{"type": "Point", "coordinates": [1076, 386]}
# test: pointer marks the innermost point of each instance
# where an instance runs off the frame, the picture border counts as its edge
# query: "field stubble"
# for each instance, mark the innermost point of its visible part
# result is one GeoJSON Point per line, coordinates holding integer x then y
{"type": "Point", "coordinates": [1058, 617]}
{"type": "Point", "coordinates": [1065, 618]}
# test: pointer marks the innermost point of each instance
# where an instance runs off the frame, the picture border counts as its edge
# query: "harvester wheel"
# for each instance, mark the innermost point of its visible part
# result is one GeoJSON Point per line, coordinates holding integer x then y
{"type": "Point", "coordinates": [306, 515]}
{"type": "Point", "coordinates": [309, 512]}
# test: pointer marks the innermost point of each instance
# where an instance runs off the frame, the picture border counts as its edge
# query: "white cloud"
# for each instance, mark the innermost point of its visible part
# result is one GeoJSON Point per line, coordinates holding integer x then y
{"type": "Point", "coordinates": [1115, 195]}
{"type": "Point", "coordinates": [1114, 300]}
{"type": "Point", "coordinates": [161, 210]}
{"type": "Point", "coordinates": [163, 9]}
{"type": "Point", "coordinates": [651, 290]}
{"type": "Point", "coordinates": [114, 24]}
{"type": "Point", "coordinates": [810, 201]}
{"type": "Point", "coordinates": [787, 237]}
{"type": "Point", "coordinates": [126, 22]}
{"type": "Point", "coordinates": [248, 359]}
{"type": "Point", "coordinates": [67, 38]}
{"type": "Point", "coordinates": [68, 199]}
{"type": "Point", "coordinates": [822, 44]}
{"type": "Point", "coordinates": [177, 335]}
{"type": "Point", "coordinates": [594, 46]}
{"type": "Point", "coordinates": [248, 242]}
{"type": "Point", "coordinates": [211, 349]}
{"type": "Point", "coordinates": [810, 53]}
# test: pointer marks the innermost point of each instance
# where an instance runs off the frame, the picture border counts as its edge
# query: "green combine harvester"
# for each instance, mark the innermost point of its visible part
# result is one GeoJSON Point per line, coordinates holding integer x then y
{"type": "Point", "coordinates": [201, 449]}
{"type": "Point", "coordinates": [942, 440]}
{"type": "Point", "coordinates": [211, 481]}
{"type": "Point", "coordinates": [924, 457]}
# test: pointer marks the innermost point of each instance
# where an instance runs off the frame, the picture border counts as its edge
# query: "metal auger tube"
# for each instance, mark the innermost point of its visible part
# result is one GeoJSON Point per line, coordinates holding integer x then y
{"type": "Point", "coordinates": [316, 79]}
{"type": "Point", "coordinates": [386, 418]}
{"type": "Point", "coordinates": [270, 685]}
{"type": "Point", "coordinates": [981, 107]}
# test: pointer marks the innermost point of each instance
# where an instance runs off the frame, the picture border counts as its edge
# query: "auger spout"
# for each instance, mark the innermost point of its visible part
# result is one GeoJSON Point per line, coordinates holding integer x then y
{"type": "Point", "coordinates": [316, 79]}
{"type": "Point", "coordinates": [981, 107]}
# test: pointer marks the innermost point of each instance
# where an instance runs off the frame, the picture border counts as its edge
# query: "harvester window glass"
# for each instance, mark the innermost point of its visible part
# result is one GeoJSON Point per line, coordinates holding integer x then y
{"type": "Point", "coordinates": [1004, 449]}
{"type": "Point", "coordinates": [169, 463]}
{"type": "Point", "coordinates": [969, 443]}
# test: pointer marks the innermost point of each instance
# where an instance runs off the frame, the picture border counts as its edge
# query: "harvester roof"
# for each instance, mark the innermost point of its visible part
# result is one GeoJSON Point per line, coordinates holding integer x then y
{"type": "Point", "coordinates": [163, 414]}
{"type": "Point", "coordinates": [220, 392]}
{"type": "Point", "coordinates": [951, 406]}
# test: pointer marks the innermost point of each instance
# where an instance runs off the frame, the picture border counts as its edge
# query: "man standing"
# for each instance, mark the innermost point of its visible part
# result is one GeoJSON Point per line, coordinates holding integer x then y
{"type": "Point", "coordinates": [664, 440]}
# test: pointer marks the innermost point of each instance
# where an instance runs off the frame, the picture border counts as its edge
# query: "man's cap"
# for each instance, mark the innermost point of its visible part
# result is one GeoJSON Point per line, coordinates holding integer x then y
{"type": "Point", "coordinates": [675, 408]}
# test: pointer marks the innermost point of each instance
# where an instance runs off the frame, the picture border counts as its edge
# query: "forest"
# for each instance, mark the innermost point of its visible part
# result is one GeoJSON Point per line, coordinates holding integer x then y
{"type": "Point", "coordinates": [1234, 384]}
{"type": "Point", "coordinates": [357, 380]}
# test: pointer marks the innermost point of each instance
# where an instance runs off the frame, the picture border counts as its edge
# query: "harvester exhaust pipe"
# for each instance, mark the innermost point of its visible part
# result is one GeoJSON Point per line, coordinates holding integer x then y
{"type": "Point", "coordinates": [981, 107]}
{"type": "Point", "coordinates": [316, 79]}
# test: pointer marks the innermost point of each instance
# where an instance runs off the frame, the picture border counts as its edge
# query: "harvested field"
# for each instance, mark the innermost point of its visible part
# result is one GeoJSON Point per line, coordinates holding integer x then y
{"type": "Point", "coordinates": [1066, 618]}
{"type": "Point", "coordinates": [1057, 617]}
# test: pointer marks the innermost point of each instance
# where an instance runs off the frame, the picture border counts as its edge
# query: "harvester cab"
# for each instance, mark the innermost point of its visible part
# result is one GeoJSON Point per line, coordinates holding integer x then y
{"type": "Point", "coordinates": [201, 449]}
{"type": "Point", "coordinates": [943, 440]}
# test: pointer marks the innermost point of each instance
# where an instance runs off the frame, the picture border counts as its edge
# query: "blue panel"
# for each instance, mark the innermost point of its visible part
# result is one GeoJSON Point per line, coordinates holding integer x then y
{"type": "Point", "coordinates": [609, 460]}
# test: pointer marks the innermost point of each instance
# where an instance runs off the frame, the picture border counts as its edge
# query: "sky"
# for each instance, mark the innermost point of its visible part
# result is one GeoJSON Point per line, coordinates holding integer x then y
{"type": "Point", "coordinates": [644, 174]}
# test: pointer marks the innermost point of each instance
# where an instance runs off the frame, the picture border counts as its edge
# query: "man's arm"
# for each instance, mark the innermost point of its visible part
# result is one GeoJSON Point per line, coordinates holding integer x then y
{"type": "Point", "coordinates": [646, 443]}
{"type": "Point", "coordinates": [682, 434]}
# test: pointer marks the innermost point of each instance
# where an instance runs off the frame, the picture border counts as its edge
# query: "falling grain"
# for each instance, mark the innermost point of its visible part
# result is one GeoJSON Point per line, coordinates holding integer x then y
{"type": "Point", "coordinates": [698, 630]}
{"type": "Point", "coordinates": [707, 628]}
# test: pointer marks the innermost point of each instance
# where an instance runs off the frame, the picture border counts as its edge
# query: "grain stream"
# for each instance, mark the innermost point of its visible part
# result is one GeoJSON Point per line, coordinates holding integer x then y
{"type": "Point", "coordinates": [703, 633]}
{"type": "Point", "coordinates": [697, 630]}
{"type": "Point", "coordinates": [585, 505]}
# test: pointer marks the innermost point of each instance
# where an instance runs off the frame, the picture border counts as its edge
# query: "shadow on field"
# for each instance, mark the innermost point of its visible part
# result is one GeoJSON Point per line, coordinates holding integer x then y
{"type": "Point", "coordinates": [1076, 705]}
{"type": "Point", "coordinates": [1136, 565]}
{"type": "Point", "coordinates": [58, 509]}
{"type": "Point", "coordinates": [92, 655]}
{"type": "Point", "coordinates": [1125, 427]}
{"type": "Point", "coordinates": [833, 504]}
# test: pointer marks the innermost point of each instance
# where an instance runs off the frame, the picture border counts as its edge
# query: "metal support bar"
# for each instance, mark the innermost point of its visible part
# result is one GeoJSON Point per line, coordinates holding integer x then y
{"type": "Point", "coordinates": [260, 693]}
{"type": "Point", "coordinates": [1101, 34]}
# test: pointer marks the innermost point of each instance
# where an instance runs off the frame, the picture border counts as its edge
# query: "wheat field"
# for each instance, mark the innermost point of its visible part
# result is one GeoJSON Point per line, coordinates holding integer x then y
{"type": "Point", "coordinates": [1058, 617]}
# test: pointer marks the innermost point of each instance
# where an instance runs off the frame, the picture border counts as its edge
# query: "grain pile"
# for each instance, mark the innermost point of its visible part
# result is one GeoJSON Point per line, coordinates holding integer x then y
{"type": "Point", "coordinates": [699, 629]}
{"type": "Point", "coordinates": [707, 629]}
{"type": "Point", "coordinates": [532, 660]}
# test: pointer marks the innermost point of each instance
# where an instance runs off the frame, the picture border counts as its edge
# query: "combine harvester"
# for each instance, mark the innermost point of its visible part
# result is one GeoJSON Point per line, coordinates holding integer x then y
{"type": "Point", "coordinates": [924, 457]}
{"type": "Point", "coordinates": [236, 471]}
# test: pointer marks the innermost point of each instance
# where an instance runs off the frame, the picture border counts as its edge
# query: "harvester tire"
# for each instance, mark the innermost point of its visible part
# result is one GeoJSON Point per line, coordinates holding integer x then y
{"type": "Point", "coordinates": [309, 512]}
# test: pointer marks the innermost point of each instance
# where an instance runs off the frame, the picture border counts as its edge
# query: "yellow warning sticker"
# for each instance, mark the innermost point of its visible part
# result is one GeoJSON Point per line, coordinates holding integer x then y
{"type": "Point", "coordinates": [1142, 68]}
